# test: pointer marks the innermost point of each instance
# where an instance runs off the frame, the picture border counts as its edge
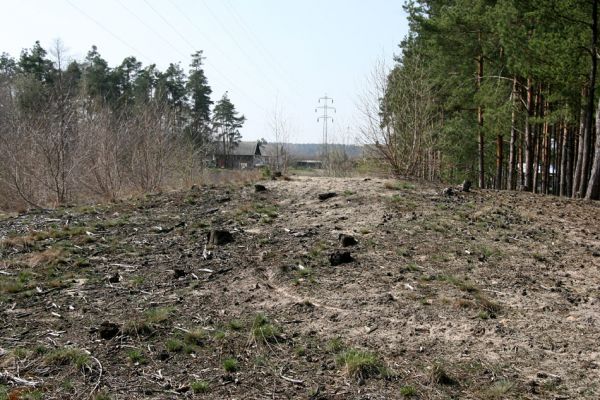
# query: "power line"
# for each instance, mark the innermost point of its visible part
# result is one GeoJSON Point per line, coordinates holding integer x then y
{"type": "Point", "coordinates": [325, 118]}
{"type": "Point", "coordinates": [234, 40]}
{"type": "Point", "coordinates": [259, 45]}
{"type": "Point", "coordinates": [217, 70]}
{"type": "Point", "coordinates": [148, 59]}
{"type": "Point", "coordinates": [149, 27]}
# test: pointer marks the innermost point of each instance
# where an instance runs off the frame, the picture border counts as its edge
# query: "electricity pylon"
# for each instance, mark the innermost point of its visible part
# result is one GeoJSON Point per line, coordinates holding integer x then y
{"type": "Point", "coordinates": [325, 117]}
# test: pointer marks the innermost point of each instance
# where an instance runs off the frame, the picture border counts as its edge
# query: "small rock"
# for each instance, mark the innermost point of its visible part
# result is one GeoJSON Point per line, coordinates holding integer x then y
{"type": "Point", "coordinates": [347, 240]}
{"type": "Point", "coordinates": [108, 330]}
{"type": "Point", "coordinates": [328, 195]}
{"type": "Point", "coordinates": [260, 188]}
{"type": "Point", "coordinates": [466, 185]}
{"type": "Point", "coordinates": [223, 199]}
{"type": "Point", "coordinates": [596, 253]}
{"type": "Point", "coordinates": [340, 257]}
{"type": "Point", "coordinates": [219, 237]}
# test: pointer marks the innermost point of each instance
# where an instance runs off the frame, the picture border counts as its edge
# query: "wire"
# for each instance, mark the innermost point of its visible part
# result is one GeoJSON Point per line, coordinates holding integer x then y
{"type": "Point", "coordinates": [181, 53]}
{"type": "Point", "coordinates": [148, 59]}
{"type": "Point", "coordinates": [258, 44]}
{"type": "Point", "coordinates": [234, 40]}
{"type": "Point", "coordinates": [217, 70]}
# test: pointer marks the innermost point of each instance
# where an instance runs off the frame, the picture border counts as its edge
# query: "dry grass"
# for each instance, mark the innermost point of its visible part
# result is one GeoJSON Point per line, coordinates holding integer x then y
{"type": "Point", "coordinates": [51, 256]}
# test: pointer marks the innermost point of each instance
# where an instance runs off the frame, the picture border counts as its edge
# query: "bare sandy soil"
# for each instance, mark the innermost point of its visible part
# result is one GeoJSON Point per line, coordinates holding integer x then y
{"type": "Point", "coordinates": [480, 295]}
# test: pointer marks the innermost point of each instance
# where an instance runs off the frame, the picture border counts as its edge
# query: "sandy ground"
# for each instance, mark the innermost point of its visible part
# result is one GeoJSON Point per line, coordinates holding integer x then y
{"type": "Point", "coordinates": [481, 295]}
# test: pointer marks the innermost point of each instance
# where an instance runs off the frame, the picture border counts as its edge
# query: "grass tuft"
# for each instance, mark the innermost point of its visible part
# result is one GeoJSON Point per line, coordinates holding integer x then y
{"type": "Point", "coordinates": [361, 364]}
{"type": "Point", "coordinates": [68, 356]}
{"type": "Point", "coordinates": [264, 331]}
{"type": "Point", "coordinates": [199, 387]}
{"type": "Point", "coordinates": [136, 356]}
{"type": "Point", "coordinates": [197, 337]}
{"type": "Point", "coordinates": [408, 391]}
{"type": "Point", "coordinates": [230, 365]}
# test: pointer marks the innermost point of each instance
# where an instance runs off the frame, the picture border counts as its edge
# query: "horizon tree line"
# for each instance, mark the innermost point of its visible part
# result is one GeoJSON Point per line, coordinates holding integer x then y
{"type": "Point", "coordinates": [68, 124]}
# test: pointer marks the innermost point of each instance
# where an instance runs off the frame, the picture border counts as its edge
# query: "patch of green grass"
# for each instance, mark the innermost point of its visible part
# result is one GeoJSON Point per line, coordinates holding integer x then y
{"type": "Point", "coordinates": [3, 392]}
{"type": "Point", "coordinates": [440, 376]}
{"type": "Point", "coordinates": [403, 252]}
{"type": "Point", "coordinates": [199, 387]}
{"type": "Point", "coordinates": [158, 315]}
{"type": "Point", "coordinates": [174, 345]}
{"type": "Point", "coordinates": [317, 250]}
{"type": "Point", "coordinates": [412, 267]}
{"type": "Point", "coordinates": [499, 389]}
{"type": "Point", "coordinates": [264, 331]}
{"type": "Point", "coordinates": [102, 396]}
{"type": "Point", "coordinates": [408, 391]}
{"type": "Point", "coordinates": [399, 185]}
{"type": "Point", "coordinates": [235, 325]}
{"type": "Point", "coordinates": [21, 352]}
{"type": "Point", "coordinates": [196, 337]}
{"type": "Point", "coordinates": [361, 364]}
{"type": "Point", "coordinates": [136, 356]}
{"type": "Point", "coordinates": [489, 306]}
{"type": "Point", "coordinates": [461, 284]}
{"type": "Point", "coordinates": [261, 361]}
{"type": "Point", "coordinates": [137, 281]}
{"type": "Point", "coordinates": [348, 193]}
{"type": "Point", "coordinates": [230, 365]}
{"type": "Point", "coordinates": [32, 395]}
{"type": "Point", "coordinates": [67, 385]}
{"type": "Point", "coordinates": [68, 356]}
{"type": "Point", "coordinates": [11, 286]}
{"type": "Point", "coordinates": [268, 210]}
{"type": "Point", "coordinates": [219, 335]}
{"type": "Point", "coordinates": [335, 345]}
{"type": "Point", "coordinates": [483, 315]}
{"type": "Point", "coordinates": [137, 327]}
{"type": "Point", "coordinates": [300, 351]}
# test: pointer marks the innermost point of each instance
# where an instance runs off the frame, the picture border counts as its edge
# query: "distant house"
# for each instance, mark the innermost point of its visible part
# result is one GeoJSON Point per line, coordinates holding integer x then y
{"type": "Point", "coordinates": [309, 164]}
{"type": "Point", "coordinates": [274, 155]}
{"type": "Point", "coordinates": [245, 155]}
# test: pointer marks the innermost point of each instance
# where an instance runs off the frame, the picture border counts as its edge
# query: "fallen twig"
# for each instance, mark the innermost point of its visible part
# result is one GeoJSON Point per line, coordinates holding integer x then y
{"type": "Point", "coordinates": [99, 377]}
{"type": "Point", "coordinates": [294, 381]}
{"type": "Point", "coordinates": [6, 377]}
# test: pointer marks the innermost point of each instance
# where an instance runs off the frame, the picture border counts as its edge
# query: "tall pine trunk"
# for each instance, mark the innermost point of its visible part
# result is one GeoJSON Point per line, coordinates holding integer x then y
{"type": "Point", "coordinates": [593, 189]}
{"type": "Point", "coordinates": [480, 123]}
{"type": "Point", "coordinates": [511, 184]}
{"type": "Point", "coordinates": [593, 186]}
{"type": "Point", "coordinates": [529, 142]}
{"type": "Point", "coordinates": [499, 161]}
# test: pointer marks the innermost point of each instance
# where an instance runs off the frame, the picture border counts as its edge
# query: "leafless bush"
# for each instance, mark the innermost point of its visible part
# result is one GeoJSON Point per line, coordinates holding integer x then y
{"type": "Point", "coordinates": [399, 120]}
{"type": "Point", "coordinates": [104, 167]}
{"type": "Point", "coordinates": [58, 156]}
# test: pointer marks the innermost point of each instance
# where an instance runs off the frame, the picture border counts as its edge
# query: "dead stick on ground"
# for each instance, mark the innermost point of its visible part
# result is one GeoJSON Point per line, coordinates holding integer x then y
{"type": "Point", "coordinates": [99, 378]}
{"type": "Point", "coordinates": [7, 377]}
{"type": "Point", "coordinates": [295, 381]}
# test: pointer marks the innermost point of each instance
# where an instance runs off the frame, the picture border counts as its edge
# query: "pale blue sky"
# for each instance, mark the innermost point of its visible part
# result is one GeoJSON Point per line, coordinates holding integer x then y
{"type": "Point", "coordinates": [262, 51]}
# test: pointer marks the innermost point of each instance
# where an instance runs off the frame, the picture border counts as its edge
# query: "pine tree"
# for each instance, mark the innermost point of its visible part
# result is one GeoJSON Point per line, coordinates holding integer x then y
{"type": "Point", "coordinates": [199, 94]}
{"type": "Point", "coordinates": [226, 125]}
